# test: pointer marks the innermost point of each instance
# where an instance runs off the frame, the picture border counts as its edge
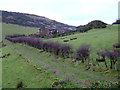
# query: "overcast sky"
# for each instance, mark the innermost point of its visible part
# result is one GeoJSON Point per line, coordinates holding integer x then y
{"type": "Point", "coordinates": [72, 12]}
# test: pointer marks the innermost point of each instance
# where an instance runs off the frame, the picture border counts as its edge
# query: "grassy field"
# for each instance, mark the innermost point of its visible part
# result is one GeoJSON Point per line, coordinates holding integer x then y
{"type": "Point", "coordinates": [97, 38]}
{"type": "Point", "coordinates": [16, 66]}
{"type": "Point", "coordinates": [11, 29]}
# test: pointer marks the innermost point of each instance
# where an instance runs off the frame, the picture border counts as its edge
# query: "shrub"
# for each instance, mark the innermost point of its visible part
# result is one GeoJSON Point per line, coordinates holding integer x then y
{"type": "Point", "coordinates": [83, 52]}
{"type": "Point", "coordinates": [55, 48]}
{"type": "Point", "coordinates": [113, 56]}
{"type": "Point", "coordinates": [65, 50]}
{"type": "Point", "coordinates": [101, 54]}
{"type": "Point", "coordinates": [52, 47]}
{"type": "Point", "coordinates": [105, 84]}
{"type": "Point", "coordinates": [59, 83]}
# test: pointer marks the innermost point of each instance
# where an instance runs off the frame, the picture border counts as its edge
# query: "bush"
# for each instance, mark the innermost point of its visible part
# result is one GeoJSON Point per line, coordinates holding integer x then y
{"type": "Point", "coordinates": [113, 56]}
{"type": "Point", "coordinates": [59, 83]}
{"type": "Point", "coordinates": [105, 84]}
{"type": "Point", "coordinates": [52, 47]}
{"type": "Point", "coordinates": [55, 48]}
{"type": "Point", "coordinates": [65, 50]}
{"type": "Point", "coordinates": [101, 54]}
{"type": "Point", "coordinates": [83, 52]}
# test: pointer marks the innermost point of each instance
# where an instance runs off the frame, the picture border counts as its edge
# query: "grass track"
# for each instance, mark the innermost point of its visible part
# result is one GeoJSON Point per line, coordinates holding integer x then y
{"type": "Point", "coordinates": [67, 71]}
{"type": "Point", "coordinates": [97, 38]}
{"type": "Point", "coordinates": [64, 68]}
{"type": "Point", "coordinates": [18, 68]}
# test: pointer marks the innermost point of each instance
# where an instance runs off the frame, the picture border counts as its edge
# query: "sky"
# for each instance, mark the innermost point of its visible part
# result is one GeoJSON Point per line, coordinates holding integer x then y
{"type": "Point", "coordinates": [71, 12]}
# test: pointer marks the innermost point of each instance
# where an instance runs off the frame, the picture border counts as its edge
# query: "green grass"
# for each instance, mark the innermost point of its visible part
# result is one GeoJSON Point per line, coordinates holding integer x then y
{"type": "Point", "coordinates": [97, 38]}
{"type": "Point", "coordinates": [11, 29]}
{"type": "Point", "coordinates": [15, 67]}
{"type": "Point", "coordinates": [77, 71]}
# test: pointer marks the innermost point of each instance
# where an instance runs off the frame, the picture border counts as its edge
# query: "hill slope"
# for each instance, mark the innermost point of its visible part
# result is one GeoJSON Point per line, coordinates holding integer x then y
{"type": "Point", "coordinates": [24, 56]}
{"type": "Point", "coordinates": [32, 20]}
{"type": "Point", "coordinates": [97, 38]}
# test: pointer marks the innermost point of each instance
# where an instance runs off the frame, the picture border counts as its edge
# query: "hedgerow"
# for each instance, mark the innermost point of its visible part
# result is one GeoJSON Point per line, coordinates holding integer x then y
{"type": "Point", "coordinates": [83, 53]}
{"type": "Point", "coordinates": [55, 48]}
{"type": "Point", "coordinates": [64, 50]}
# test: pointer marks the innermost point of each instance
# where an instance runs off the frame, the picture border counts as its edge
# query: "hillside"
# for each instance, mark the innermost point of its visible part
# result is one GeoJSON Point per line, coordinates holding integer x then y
{"type": "Point", "coordinates": [32, 20]}
{"type": "Point", "coordinates": [38, 69]}
{"type": "Point", "coordinates": [97, 38]}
